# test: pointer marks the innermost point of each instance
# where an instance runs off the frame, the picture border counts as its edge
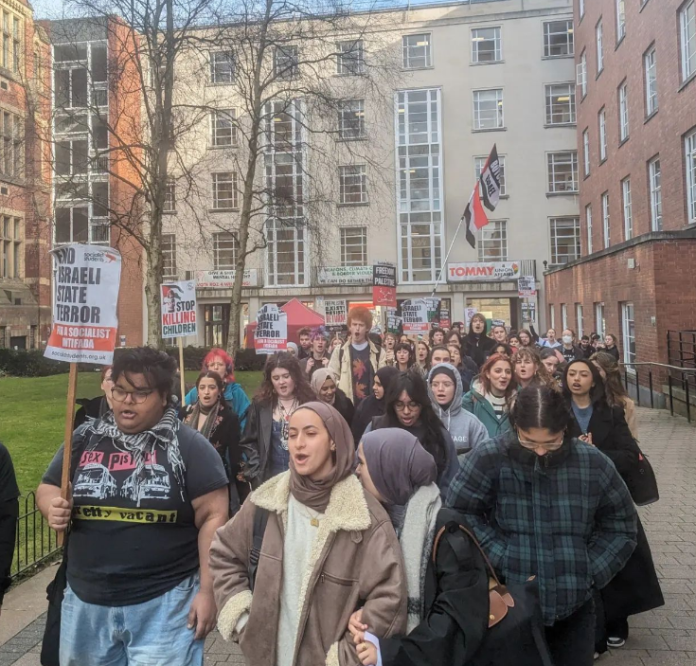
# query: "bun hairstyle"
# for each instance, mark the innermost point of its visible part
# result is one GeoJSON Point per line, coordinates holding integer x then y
{"type": "Point", "coordinates": [540, 407]}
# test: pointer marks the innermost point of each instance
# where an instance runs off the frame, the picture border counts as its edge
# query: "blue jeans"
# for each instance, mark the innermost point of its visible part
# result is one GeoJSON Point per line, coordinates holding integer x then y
{"type": "Point", "coordinates": [153, 633]}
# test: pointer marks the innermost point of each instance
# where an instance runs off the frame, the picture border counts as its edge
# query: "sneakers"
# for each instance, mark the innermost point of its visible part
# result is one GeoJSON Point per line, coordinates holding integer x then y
{"type": "Point", "coordinates": [615, 642]}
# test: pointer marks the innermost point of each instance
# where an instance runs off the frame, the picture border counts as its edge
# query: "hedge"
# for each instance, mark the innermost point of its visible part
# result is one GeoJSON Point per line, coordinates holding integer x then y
{"type": "Point", "coordinates": [32, 363]}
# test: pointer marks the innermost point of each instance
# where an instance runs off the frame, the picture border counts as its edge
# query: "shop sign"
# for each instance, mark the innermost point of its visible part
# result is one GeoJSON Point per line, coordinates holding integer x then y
{"type": "Point", "coordinates": [225, 279]}
{"type": "Point", "coordinates": [344, 275]}
{"type": "Point", "coordinates": [483, 271]}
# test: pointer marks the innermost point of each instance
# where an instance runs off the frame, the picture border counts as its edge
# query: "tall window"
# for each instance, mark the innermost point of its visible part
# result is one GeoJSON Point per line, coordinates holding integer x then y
{"type": "Point", "coordinates": [559, 39]}
{"type": "Point", "coordinates": [560, 104]}
{"type": "Point", "coordinates": [353, 184]}
{"type": "Point", "coordinates": [170, 197]}
{"type": "Point", "coordinates": [11, 237]}
{"type": "Point", "coordinates": [71, 224]}
{"type": "Point", "coordinates": [581, 8]}
{"type": "Point", "coordinates": [599, 36]}
{"type": "Point", "coordinates": [353, 246]}
{"type": "Point", "coordinates": [602, 120]}
{"type": "Point", "coordinates": [690, 158]}
{"type": "Point", "coordinates": [417, 52]}
{"type": "Point", "coordinates": [224, 251]}
{"type": "Point", "coordinates": [222, 67]}
{"type": "Point", "coordinates": [486, 45]}
{"type": "Point", "coordinates": [586, 151]}
{"type": "Point", "coordinates": [582, 74]}
{"type": "Point", "coordinates": [563, 172]}
{"type": "Point", "coordinates": [488, 109]}
{"type": "Point", "coordinates": [606, 222]}
{"type": "Point", "coordinates": [623, 112]}
{"type": "Point", "coordinates": [351, 119]}
{"type": "Point", "coordinates": [600, 322]}
{"type": "Point", "coordinates": [224, 127]}
{"type": "Point", "coordinates": [579, 324]}
{"type": "Point", "coordinates": [11, 45]}
{"type": "Point", "coordinates": [351, 57]}
{"type": "Point", "coordinates": [628, 329]}
{"type": "Point", "coordinates": [627, 208]}
{"type": "Point", "coordinates": [11, 157]}
{"type": "Point", "coordinates": [650, 65]}
{"type": "Point", "coordinates": [552, 316]}
{"type": "Point", "coordinates": [620, 19]}
{"type": "Point", "coordinates": [420, 195]}
{"type": "Point", "coordinates": [286, 257]}
{"type": "Point", "coordinates": [169, 257]}
{"type": "Point", "coordinates": [492, 242]}
{"type": "Point", "coordinates": [655, 181]}
{"type": "Point", "coordinates": [286, 62]}
{"type": "Point", "coordinates": [565, 239]}
{"type": "Point", "coordinates": [480, 162]}
{"type": "Point", "coordinates": [588, 226]}
{"type": "Point", "coordinates": [687, 22]}
{"type": "Point", "coordinates": [224, 190]}
{"type": "Point", "coordinates": [564, 316]}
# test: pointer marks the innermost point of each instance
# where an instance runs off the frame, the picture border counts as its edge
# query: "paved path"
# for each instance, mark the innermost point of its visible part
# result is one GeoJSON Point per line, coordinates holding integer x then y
{"type": "Point", "coordinates": [665, 637]}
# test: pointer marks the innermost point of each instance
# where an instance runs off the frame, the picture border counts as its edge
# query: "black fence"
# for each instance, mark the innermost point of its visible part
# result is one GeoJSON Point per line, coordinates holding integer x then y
{"type": "Point", "coordinates": [35, 541]}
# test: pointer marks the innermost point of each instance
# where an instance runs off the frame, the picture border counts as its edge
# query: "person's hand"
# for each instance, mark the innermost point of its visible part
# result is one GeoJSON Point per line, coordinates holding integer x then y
{"type": "Point", "coordinates": [355, 624]}
{"type": "Point", "coordinates": [587, 438]}
{"type": "Point", "coordinates": [202, 614]}
{"type": "Point", "coordinates": [325, 361]}
{"type": "Point", "coordinates": [367, 653]}
{"type": "Point", "coordinates": [59, 513]}
{"type": "Point", "coordinates": [310, 364]}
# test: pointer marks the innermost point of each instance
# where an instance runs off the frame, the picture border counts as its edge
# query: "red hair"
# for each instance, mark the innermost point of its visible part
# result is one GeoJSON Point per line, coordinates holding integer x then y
{"type": "Point", "coordinates": [511, 390]}
{"type": "Point", "coordinates": [226, 359]}
{"type": "Point", "coordinates": [362, 314]}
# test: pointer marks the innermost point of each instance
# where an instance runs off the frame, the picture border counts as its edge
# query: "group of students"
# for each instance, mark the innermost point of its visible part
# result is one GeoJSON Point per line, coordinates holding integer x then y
{"type": "Point", "coordinates": [310, 536]}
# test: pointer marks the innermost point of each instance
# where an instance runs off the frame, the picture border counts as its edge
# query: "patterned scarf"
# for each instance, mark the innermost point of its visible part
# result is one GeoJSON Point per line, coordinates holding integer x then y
{"type": "Point", "coordinates": [143, 444]}
{"type": "Point", "coordinates": [210, 421]}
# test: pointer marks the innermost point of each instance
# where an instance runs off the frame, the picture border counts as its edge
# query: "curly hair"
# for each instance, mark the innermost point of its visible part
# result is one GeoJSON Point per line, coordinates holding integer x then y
{"type": "Point", "coordinates": [541, 374]}
{"type": "Point", "coordinates": [226, 359]}
{"type": "Point", "coordinates": [485, 380]}
{"type": "Point", "coordinates": [303, 391]}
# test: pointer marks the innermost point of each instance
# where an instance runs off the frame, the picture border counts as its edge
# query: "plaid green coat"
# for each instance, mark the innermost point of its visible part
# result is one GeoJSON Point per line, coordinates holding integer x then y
{"type": "Point", "coordinates": [566, 517]}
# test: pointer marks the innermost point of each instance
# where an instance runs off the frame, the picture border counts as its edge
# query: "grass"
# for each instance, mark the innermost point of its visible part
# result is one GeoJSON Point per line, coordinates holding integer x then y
{"type": "Point", "coordinates": [33, 417]}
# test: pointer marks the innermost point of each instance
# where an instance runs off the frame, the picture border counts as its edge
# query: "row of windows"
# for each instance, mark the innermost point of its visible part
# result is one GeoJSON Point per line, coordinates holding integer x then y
{"type": "Point", "coordinates": [417, 52]}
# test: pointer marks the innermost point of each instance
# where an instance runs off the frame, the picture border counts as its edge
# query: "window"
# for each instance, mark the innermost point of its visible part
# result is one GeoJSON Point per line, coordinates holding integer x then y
{"type": "Point", "coordinates": [602, 120]}
{"type": "Point", "coordinates": [606, 228]}
{"type": "Point", "coordinates": [588, 225]}
{"type": "Point", "coordinates": [16, 45]}
{"type": "Point", "coordinates": [486, 46]}
{"type": "Point", "coordinates": [217, 325]}
{"type": "Point", "coordinates": [480, 162]}
{"type": "Point", "coordinates": [222, 67]}
{"type": "Point", "coordinates": [492, 241]}
{"type": "Point", "coordinates": [10, 42]}
{"type": "Point", "coordinates": [687, 22]}
{"type": "Point", "coordinates": [552, 316]}
{"type": "Point", "coordinates": [224, 190]}
{"type": "Point", "coordinates": [71, 88]}
{"type": "Point", "coordinates": [420, 188]}
{"type": "Point", "coordinates": [579, 326]}
{"type": "Point", "coordinates": [11, 245]}
{"type": "Point", "coordinates": [586, 151]}
{"type": "Point", "coordinates": [655, 181]}
{"type": "Point", "coordinates": [581, 8]}
{"type": "Point", "coordinates": [286, 62]}
{"type": "Point", "coordinates": [558, 39]}
{"type": "Point", "coordinates": [170, 197]}
{"type": "Point", "coordinates": [417, 51]}
{"type": "Point", "coordinates": [690, 156]}
{"type": "Point", "coordinates": [560, 104]}
{"type": "Point", "coordinates": [565, 239]}
{"type": "Point", "coordinates": [72, 224]}
{"type": "Point", "coordinates": [224, 251]}
{"type": "Point", "coordinates": [600, 322]}
{"type": "Point", "coordinates": [12, 145]}
{"type": "Point", "coordinates": [582, 74]}
{"type": "Point", "coordinates": [351, 119]}
{"type": "Point", "coordinates": [224, 127]}
{"type": "Point", "coordinates": [168, 247]}
{"type": "Point", "coordinates": [351, 57]}
{"type": "Point", "coordinates": [71, 158]}
{"type": "Point", "coordinates": [623, 112]}
{"type": "Point", "coordinates": [488, 109]}
{"type": "Point", "coordinates": [620, 19]}
{"type": "Point", "coordinates": [353, 184]}
{"type": "Point", "coordinates": [650, 63]}
{"type": "Point", "coordinates": [564, 316]}
{"type": "Point", "coordinates": [354, 246]}
{"type": "Point", "coordinates": [599, 35]}
{"type": "Point", "coordinates": [627, 208]}
{"type": "Point", "coordinates": [563, 172]}
{"type": "Point", "coordinates": [285, 252]}
{"type": "Point", "coordinates": [628, 328]}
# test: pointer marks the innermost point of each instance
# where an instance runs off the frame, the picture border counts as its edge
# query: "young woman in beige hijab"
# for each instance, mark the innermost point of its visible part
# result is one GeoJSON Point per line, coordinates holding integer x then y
{"type": "Point", "coordinates": [328, 548]}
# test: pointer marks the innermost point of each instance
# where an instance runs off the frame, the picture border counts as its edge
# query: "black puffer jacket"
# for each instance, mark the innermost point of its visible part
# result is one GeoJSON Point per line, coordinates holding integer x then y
{"type": "Point", "coordinates": [478, 346]}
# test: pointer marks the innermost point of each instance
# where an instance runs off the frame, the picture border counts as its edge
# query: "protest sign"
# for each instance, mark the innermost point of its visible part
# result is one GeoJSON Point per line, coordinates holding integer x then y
{"type": "Point", "coordinates": [394, 322]}
{"type": "Point", "coordinates": [445, 317]}
{"type": "Point", "coordinates": [384, 285]}
{"type": "Point", "coordinates": [526, 286]}
{"type": "Point", "coordinates": [271, 333]}
{"type": "Point", "coordinates": [414, 314]}
{"type": "Point", "coordinates": [335, 312]}
{"type": "Point", "coordinates": [468, 314]}
{"type": "Point", "coordinates": [433, 311]}
{"type": "Point", "coordinates": [179, 310]}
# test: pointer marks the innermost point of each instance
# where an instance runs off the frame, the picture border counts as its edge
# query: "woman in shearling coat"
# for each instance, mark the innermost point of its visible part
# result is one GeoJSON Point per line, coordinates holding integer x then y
{"type": "Point", "coordinates": [328, 548]}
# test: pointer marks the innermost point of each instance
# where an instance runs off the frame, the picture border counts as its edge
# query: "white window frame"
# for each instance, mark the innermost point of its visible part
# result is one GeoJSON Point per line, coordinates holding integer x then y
{"type": "Point", "coordinates": [628, 335]}
{"type": "Point", "coordinates": [586, 151]}
{"type": "Point", "coordinates": [600, 321]}
{"type": "Point", "coordinates": [480, 162]}
{"type": "Point", "coordinates": [555, 160]}
{"type": "Point", "coordinates": [599, 38]}
{"type": "Point", "coordinates": [652, 102]}
{"type": "Point", "coordinates": [690, 157]}
{"type": "Point", "coordinates": [229, 77]}
{"type": "Point", "coordinates": [602, 122]}
{"type": "Point", "coordinates": [606, 220]}
{"type": "Point", "coordinates": [424, 49]}
{"type": "Point", "coordinates": [224, 241]}
{"type": "Point", "coordinates": [352, 181]}
{"type": "Point", "coordinates": [168, 248]}
{"type": "Point", "coordinates": [217, 134]}
{"type": "Point", "coordinates": [579, 324]}
{"type": "Point", "coordinates": [581, 8]}
{"type": "Point", "coordinates": [624, 128]}
{"type": "Point", "coordinates": [348, 131]}
{"type": "Point", "coordinates": [620, 20]}
{"type": "Point", "coordinates": [492, 241]}
{"type": "Point", "coordinates": [350, 239]}
{"type": "Point", "coordinates": [588, 227]}
{"type": "Point", "coordinates": [351, 57]}
{"type": "Point", "coordinates": [477, 39]}
{"type": "Point", "coordinates": [687, 42]}
{"type": "Point", "coordinates": [296, 234]}
{"type": "Point", "coordinates": [559, 251]}
{"type": "Point", "coordinates": [581, 74]}
{"type": "Point", "coordinates": [564, 316]}
{"type": "Point", "coordinates": [499, 110]}
{"type": "Point", "coordinates": [286, 62]}
{"type": "Point", "coordinates": [169, 205]}
{"type": "Point", "coordinates": [552, 316]}
{"type": "Point", "coordinates": [570, 38]}
{"type": "Point", "coordinates": [655, 189]}
{"type": "Point", "coordinates": [218, 179]}
{"type": "Point", "coordinates": [557, 94]}
{"type": "Point", "coordinates": [627, 200]}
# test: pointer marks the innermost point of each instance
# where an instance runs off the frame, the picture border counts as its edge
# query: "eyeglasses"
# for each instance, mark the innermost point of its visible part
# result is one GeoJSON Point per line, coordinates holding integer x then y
{"type": "Point", "coordinates": [138, 397]}
{"type": "Point", "coordinates": [402, 406]}
{"type": "Point", "coordinates": [548, 446]}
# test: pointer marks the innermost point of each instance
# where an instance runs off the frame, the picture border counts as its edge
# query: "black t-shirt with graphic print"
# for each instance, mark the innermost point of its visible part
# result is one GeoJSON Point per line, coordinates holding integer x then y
{"type": "Point", "coordinates": [363, 375]}
{"type": "Point", "coordinates": [132, 542]}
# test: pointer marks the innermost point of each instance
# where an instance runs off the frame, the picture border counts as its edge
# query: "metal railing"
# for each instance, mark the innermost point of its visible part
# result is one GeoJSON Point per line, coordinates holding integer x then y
{"type": "Point", "coordinates": [35, 541]}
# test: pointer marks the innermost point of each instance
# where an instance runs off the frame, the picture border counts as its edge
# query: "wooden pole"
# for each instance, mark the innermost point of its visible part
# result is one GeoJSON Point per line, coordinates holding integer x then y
{"type": "Point", "coordinates": [67, 439]}
{"type": "Point", "coordinates": [181, 370]}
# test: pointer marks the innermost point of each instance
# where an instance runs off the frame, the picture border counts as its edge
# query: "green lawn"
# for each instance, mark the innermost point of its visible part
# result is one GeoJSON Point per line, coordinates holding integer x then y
{"type": "Point", "coordinates": [33, 417]}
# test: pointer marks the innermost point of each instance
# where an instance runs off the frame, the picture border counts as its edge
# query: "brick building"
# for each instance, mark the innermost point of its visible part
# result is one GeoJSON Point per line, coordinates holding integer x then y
{"type": "Point", "coordinates": [25, 176]}
{"type": "Point", "coordinates": [636, 100]}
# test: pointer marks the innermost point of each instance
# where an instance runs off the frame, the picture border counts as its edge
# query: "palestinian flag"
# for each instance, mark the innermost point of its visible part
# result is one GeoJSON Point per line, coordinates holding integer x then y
{"type": "Point", "coordinates": [474, 216]}
{"type": "Point", "coordinates": [490, 180]}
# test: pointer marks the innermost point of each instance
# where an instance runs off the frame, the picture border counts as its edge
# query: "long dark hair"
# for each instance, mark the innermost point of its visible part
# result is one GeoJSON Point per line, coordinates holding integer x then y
{"type": "Point", "coordinates": [209, 374]}
{"type": "Point", "coordinates": [540, 407]}
{"type": "Point", "coordinates": [303, 391]}
{"type": "Point", "coordinates": [597, 394]}
{"type": "Point", "coordinates": [413, 383]}
{"type": "Point", "coordinates": [614, 390]}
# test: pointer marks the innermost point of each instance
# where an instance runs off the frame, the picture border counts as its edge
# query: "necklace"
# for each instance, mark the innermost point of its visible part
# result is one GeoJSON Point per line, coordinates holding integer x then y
{"type": "Point", "coordinates": [285, 421]}
{"type": "Point", "coordinates": [313, 520]}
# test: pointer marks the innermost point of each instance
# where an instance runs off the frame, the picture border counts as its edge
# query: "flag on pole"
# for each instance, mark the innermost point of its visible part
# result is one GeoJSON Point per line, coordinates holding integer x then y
{"type": "Point", "coordinates": [490, 180]}
{"type": "Point", "coordinates": [474, 216]}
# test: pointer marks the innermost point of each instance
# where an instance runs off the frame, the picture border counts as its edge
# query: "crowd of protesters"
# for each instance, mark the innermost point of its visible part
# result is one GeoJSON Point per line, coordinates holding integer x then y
{"type": "Point", "coordinates": [379, 500]}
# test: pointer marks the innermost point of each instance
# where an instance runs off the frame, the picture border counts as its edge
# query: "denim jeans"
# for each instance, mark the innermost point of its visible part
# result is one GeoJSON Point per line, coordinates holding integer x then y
{"type": "Point", "coordinates": [572, 640]}
{"type": "Point", "coordinates": [153, 633]}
